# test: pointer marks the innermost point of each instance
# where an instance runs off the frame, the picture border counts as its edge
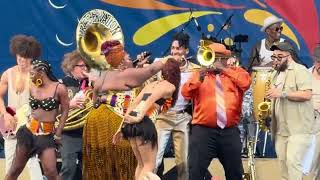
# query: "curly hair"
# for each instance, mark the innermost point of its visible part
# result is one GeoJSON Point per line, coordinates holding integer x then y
{"type": "Point", "coordinates": [183, 39]}
{"type": "Point", "coordinates": [70, 60]}
{"type": "Point", "coordinates": [171, 73]}
{"type": "Point", "coordinates": [25, 46]}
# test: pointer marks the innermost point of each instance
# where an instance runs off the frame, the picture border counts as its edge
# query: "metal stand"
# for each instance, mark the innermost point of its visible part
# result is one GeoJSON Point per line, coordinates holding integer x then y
{"type": "Point", "coordinates": [256, 137]}
{"type": "Point", "coordinates": [265, 143]}
{"type": "Point", "coordinates": [258, 131]}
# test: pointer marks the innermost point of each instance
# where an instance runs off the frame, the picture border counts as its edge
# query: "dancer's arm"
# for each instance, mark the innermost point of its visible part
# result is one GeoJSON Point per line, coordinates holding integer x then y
{"type": "Point", "coordinates": [64, 107]}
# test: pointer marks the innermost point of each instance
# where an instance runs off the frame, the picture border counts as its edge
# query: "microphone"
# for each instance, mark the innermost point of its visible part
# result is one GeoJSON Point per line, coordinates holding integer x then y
{"type": "Point", "coordinates": [228, 21]}
{"type": "Point", "coordinates": [196, 23]}
{"type": "Point", "coordinates": [146, 54]}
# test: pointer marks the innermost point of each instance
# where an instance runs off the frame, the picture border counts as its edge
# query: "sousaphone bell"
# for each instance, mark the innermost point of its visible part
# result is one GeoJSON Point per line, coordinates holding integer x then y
{"type": "Point", "coordinates": [94, 28]}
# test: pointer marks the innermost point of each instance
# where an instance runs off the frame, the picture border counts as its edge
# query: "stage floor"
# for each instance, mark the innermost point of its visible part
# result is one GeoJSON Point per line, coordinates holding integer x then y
{"type": "Point", "coordinates": [266, 169]}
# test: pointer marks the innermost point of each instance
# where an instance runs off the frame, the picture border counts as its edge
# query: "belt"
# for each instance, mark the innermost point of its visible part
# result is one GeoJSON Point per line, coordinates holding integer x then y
{"type": "Point", "coordinates": [176, 112]}
{"type": "Point", "coordinates": [40, 128]}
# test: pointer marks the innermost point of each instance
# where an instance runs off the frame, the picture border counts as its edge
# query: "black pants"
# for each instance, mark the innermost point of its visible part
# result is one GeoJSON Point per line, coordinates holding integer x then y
{"type": "Point", "coordinates": [71, 152]}
{"type": "Point", "coordinates": [208, 143]}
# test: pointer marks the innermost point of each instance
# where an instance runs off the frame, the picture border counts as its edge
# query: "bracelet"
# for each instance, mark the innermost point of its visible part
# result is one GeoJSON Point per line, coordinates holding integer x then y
{"type": "Point", "coordinates": [55, 137]}
{"type": "Point", "coordinates": [284, 95]}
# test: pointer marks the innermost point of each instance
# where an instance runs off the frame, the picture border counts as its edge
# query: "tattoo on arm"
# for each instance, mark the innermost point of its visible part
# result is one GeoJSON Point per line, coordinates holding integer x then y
{"type": "Point", "coordinates": [133, 113]}
{"type": "Point", "coordinates": [145, 96]}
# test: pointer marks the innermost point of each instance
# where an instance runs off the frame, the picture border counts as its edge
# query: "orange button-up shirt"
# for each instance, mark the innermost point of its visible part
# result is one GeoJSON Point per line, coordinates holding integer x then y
{"type": "Point", "coordinates": [235, 82]}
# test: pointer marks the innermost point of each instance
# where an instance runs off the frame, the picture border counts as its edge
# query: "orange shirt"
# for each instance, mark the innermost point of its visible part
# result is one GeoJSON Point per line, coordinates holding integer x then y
{"type": "Point", "coordinates": [235, 82]}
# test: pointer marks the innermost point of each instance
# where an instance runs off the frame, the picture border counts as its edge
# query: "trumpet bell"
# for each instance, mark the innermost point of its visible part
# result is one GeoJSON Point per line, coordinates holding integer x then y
{"type": "Point", "coordinates": [205, 54]}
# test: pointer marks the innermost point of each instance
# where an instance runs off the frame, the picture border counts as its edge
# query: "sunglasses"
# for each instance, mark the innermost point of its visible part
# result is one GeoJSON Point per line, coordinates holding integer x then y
{"type": "Point", "coordinates": [278, 58]}
{"type": "Point", "coordinates": [81, 65]}
{"type": "Point", "coordinates": [278, 29]}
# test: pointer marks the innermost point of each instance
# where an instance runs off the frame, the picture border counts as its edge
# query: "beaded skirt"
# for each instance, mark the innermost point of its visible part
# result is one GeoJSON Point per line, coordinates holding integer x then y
{"type": "Point", "coordinates": [101, 159]}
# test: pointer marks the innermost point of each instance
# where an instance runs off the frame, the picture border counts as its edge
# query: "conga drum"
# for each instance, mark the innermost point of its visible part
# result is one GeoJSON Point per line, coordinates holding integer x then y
{"type": "Point", "coordinates": [261, 83]}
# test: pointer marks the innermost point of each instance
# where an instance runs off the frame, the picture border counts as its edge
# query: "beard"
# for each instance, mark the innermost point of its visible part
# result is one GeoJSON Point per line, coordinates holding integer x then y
{"type": "Point", "coordinates": [282, 67]}
{"type": "Point", "coordinates": [318, 70]}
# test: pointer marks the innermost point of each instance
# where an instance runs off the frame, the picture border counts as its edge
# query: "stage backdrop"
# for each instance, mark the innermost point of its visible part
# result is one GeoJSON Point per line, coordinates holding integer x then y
{"type": "Point", "coordinates": [150, 24]}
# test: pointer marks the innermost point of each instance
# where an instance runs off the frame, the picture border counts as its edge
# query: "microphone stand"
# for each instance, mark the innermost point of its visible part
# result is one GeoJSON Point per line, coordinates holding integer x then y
{"type": "Point", "coordinates": [227, 22]}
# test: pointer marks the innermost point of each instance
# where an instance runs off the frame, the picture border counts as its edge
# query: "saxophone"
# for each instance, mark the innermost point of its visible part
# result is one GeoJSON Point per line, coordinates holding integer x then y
{"type": "Point", "coordinates": [264, 109]}
{"type": "Point", "coordinates": [251, 174]}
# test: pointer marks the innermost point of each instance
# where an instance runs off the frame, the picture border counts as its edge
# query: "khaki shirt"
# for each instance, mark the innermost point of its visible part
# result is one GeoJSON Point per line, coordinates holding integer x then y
{"type": "Point", "coordinates": [292, 117]}
{"type": "Point", "coordinates": [316, 101]}
{"type": "Point", "coordinates": [315, 91]}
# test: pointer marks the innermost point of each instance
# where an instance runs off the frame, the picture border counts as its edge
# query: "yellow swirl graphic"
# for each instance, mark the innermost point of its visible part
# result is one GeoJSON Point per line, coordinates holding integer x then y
{"type": "Point", "coordinates": [144, 4]}
{"type": "Point", "coordinates": [157, 28]}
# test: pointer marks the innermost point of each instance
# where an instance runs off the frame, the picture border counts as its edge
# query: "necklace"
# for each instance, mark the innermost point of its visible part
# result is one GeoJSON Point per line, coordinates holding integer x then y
{"type": "Point", "coordinates": [269, 43]}
{"type": "Point", "coordinates": [20, 81]}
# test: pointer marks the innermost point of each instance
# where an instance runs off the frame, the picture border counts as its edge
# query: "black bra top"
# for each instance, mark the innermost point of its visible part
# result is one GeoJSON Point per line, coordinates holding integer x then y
{"type": "Point", "coordinates": [160, 102]}
{"type": "Point", "coordinates": [47, 104]}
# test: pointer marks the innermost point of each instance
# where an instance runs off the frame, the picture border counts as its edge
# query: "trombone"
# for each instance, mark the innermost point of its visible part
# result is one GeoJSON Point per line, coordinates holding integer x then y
{"type": "Point", "coordinates": [206, 56]}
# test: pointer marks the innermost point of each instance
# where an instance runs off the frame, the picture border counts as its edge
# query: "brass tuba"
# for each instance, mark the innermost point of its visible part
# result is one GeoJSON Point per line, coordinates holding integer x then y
{"type": "Point", "coordinates": [94, 28]}
{"type": "Point", "coordinates": [77, 117]}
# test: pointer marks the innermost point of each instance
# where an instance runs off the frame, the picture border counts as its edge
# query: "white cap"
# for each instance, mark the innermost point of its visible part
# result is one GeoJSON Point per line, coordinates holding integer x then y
{"type": "Point", "coordinates": [269, 21]}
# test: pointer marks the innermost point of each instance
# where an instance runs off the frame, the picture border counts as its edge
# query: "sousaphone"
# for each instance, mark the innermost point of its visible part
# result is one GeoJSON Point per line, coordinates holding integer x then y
{"type": "Point", "coordinates": [94, 28]}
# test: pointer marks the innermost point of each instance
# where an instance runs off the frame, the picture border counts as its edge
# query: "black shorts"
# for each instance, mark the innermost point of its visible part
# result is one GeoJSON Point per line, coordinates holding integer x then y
{"type": "Point", "coordinates": [144, 129]}
{"type": "Point", "coordinates": [34, 144]}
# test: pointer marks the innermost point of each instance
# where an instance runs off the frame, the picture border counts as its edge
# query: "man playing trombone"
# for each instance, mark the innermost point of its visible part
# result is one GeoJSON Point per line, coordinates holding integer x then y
{"type": "Point", "coordinates": [217, 94]}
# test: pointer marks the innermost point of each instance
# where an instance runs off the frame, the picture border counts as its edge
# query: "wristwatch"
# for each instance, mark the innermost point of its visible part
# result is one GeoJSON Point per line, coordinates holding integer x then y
{"type": "Point", "coordinates": [284, 95]}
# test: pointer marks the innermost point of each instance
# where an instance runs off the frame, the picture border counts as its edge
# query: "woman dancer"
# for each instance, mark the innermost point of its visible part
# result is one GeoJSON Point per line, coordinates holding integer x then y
{"type": "Point", "coordinates": [138, 126]}
{"type": "Point", "coordinates": [112, 94]}
{"type": "Point", "coordinates": [39, 136]}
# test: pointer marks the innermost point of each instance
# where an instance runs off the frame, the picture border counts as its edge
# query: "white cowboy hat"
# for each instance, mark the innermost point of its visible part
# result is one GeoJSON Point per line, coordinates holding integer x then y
{"type": "Point", "coordinates": [269, 21]}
